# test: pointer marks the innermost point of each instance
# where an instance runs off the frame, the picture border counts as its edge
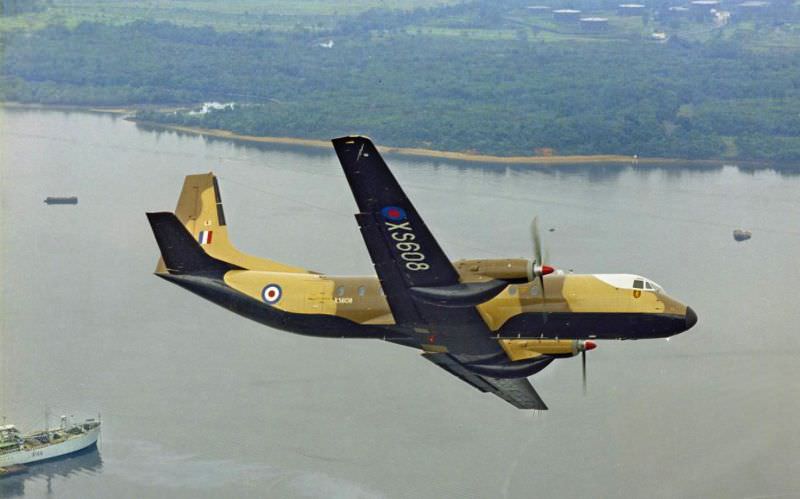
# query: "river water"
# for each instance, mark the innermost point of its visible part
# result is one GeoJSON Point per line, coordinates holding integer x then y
{"type": "Point", "coordinates": [198, 402]}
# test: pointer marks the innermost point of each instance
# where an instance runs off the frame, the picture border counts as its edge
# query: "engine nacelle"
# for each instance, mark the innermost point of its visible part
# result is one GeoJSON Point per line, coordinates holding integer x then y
{"type": "Point", "coordinates": [512, 270]}
{"type": "Point", "coordinates": [518, 350]}
{"type": "Point", "coordinates": [510, 369]}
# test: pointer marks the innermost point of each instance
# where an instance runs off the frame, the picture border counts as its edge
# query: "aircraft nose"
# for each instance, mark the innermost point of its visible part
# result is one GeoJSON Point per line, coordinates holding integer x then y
{"type": "Point", "coordinates": [691, 318]}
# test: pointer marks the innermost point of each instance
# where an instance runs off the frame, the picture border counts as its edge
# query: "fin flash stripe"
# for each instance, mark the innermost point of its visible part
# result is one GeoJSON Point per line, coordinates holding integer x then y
{"type": "Point", "coordinates": [205, 236]}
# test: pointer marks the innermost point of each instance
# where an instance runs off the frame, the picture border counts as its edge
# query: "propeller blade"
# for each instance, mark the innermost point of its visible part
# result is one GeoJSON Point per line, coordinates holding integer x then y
{"type": "Point", "coordinates": [583, 366]}
{"type": "Point", "coordinates": [584, 346]}
{"type": "Point", "coordinates": [537, 240]}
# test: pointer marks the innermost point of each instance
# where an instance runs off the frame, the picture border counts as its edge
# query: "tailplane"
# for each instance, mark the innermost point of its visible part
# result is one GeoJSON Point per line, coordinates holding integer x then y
{"type": "Point", "coordinates": [200, 211]}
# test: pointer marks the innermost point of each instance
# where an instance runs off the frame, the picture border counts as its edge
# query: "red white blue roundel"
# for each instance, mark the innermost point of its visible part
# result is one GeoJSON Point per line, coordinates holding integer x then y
{"type": "Point", "coordinates": [393, 213]}
{"type": "Point", "coordinates": [271, 293]}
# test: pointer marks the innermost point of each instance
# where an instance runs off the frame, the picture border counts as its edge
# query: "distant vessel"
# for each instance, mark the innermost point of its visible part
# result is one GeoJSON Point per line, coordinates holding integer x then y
{"type": "Point", "coordinates": [17, 449]}
{"type": "Point", "coordinates": [742, 234]}
{"type": "Point", "coordinates": [61, 200]}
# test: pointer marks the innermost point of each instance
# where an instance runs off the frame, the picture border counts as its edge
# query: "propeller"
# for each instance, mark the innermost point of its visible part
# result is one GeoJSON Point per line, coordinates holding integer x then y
{"type": "Point", "coordinates": [583, 370]}
{"type": "Point", "coordinates": [538, 271]}
{"type": "Point", "coordinates": [538, 268]}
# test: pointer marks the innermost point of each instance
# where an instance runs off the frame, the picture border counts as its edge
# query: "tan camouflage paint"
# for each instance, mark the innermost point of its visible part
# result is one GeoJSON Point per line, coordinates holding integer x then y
{"type": "Point", "coordinates": [360, 299]}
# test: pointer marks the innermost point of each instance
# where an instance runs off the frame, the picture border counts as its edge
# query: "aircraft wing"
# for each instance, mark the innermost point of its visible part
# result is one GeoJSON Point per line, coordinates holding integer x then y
{"type": "Point", "coordinates": [421, 285]}
{"type": "Point", "coordinates": [518, 391]}
{"type": "Point", "coordinates": [413, 270]}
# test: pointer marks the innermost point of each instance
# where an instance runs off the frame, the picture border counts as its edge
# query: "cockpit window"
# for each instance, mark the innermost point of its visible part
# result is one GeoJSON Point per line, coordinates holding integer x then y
{"type": "Point", "coordinates": [638, 284]}
{"type": "Point", "coordinates": [647, 285]}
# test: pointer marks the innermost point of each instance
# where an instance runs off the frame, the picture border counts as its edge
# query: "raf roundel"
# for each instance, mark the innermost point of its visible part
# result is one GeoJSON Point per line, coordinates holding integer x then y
{"type": "Point", "coordinates": [271, 293]}
{"type": "Point", "coordinates": [393, 213]}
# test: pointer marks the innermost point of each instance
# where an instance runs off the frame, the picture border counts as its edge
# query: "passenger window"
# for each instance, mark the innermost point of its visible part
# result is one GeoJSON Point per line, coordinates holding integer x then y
{"type": "Point", "coordinates": [362, 291]}
{"type": "Point", "coordinates": [512, 290]}
{"type": "Point", "coordinates": [638, 284]}
{"type": "Point", "coordinates": [534, 291]}
{"type": "Point", "coordinates": [340, 291]}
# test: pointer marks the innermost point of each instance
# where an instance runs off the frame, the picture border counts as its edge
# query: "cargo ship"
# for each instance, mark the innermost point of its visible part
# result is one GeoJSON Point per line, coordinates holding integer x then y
{"type": "Point", "coordinates": [61, 200]}
{"type": "Point", "coordinates": [742, 235]}
{"type": "Point", "coordinates": [18, 449]}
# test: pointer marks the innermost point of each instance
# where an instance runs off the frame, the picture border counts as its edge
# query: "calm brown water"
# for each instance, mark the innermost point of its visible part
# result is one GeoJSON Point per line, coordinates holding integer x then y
{"type": "Point", "coordinates": [197, 402]}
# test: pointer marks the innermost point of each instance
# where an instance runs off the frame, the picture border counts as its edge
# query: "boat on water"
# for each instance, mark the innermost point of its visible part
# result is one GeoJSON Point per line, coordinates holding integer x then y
{"type": "Point", "coordinates": [17, 449]}
{"type": "Point", "coordinates": [61, 200]}
{"type": "Point", "coordinates": [742, 235]}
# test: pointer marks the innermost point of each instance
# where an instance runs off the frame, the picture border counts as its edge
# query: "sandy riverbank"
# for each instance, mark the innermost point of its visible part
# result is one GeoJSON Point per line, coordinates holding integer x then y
{"type": "Point", "coordinates": [405, 151]}
{"type": "Point", "coordinates": [430, 153]}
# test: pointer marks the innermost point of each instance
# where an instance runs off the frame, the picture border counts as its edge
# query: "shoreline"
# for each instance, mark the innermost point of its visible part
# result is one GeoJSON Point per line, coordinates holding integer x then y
{"type": "Point", "coordinates": [435, 154]}
{"type": "Point", "coordinates": [402, 151]}
{"type": "Point", "coordinates": [119, 111]}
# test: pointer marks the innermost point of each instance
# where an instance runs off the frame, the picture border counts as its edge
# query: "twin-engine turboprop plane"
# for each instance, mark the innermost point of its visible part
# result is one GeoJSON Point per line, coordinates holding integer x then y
{"type": "Point", "coordinates": [491, 323]}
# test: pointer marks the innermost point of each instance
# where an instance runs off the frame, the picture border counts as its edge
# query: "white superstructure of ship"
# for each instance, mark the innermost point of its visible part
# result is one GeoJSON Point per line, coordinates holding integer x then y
{"type": "Point", "coordinates": [17, 449]}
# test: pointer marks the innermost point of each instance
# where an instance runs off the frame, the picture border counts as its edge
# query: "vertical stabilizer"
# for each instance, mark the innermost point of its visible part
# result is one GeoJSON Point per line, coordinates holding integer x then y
{"type": "Point", "coordinates": [200, 211]}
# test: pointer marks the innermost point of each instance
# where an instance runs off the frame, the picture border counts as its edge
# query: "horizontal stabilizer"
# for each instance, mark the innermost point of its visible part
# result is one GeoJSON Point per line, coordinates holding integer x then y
{"type": "Point", "coordinates": [180, 251]}
{"type": "Point", "coordinates": [516, 391]}
{"type": "Point", "coordinates": [200, 210]}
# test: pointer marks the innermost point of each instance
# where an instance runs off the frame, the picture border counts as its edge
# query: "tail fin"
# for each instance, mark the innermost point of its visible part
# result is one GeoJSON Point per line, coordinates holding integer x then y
{"type": "Point", "coordinates": [200, 211]}
{"type": "Point", "coordinates": [181, 253]}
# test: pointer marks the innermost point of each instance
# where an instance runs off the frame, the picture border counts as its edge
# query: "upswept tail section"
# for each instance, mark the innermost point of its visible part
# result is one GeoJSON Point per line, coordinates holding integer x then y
{"type": "Point", "coordinates": [180, 253]}
{"type": "Point", "coordinates": [200, 211]}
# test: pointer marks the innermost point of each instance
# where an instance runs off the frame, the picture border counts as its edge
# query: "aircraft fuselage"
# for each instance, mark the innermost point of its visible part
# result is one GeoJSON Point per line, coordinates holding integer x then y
{"type": "Point", "coordinates": [575, 306]}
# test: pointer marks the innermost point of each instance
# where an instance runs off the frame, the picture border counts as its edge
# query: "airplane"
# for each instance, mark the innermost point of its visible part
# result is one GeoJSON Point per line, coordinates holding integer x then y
{"type": "Point", "coordinates": [490, 322]}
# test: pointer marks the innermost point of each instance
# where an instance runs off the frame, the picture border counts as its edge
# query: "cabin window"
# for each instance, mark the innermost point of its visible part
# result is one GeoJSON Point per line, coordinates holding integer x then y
{"type": "Point", "coordinates": [638, 284]}
{"type": "Point", "coordinates": [340, 291]}
{"type": "Point", "coordinates": [534, 291]}
{"type": "Point", "coordinates": [512, 290]}
{"type": "Point", "coordinates": [362, 291]}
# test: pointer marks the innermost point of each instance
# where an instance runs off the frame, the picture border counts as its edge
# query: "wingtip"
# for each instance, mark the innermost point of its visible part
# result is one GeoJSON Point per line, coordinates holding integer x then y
{"type": "Point", "coordinates": [350, 138]}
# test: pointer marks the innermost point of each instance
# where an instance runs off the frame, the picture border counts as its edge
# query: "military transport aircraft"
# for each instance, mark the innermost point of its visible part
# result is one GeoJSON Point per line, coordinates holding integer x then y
{"type": "Point", "coordinates": [492, 323]}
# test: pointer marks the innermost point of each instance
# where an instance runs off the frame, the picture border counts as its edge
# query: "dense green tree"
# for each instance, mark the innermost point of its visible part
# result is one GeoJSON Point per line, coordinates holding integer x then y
{"type": "Point", "coordinates": [504, 96]}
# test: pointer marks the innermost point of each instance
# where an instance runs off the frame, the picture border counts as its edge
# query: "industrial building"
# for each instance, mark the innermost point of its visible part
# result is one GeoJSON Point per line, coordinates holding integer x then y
{"type": "Point", "coordinates": [631, 9]}
{"type": "Point", "coordinates": [539, 10]}
{"type": "Point", "coordinates": [566, 15]}
{"type": "Point", "coordinates": [594, 24]}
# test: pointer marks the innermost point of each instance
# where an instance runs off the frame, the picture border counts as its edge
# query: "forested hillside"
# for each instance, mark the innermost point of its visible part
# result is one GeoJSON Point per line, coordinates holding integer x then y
{"type": "Point", "coordinates": [518, 95]}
